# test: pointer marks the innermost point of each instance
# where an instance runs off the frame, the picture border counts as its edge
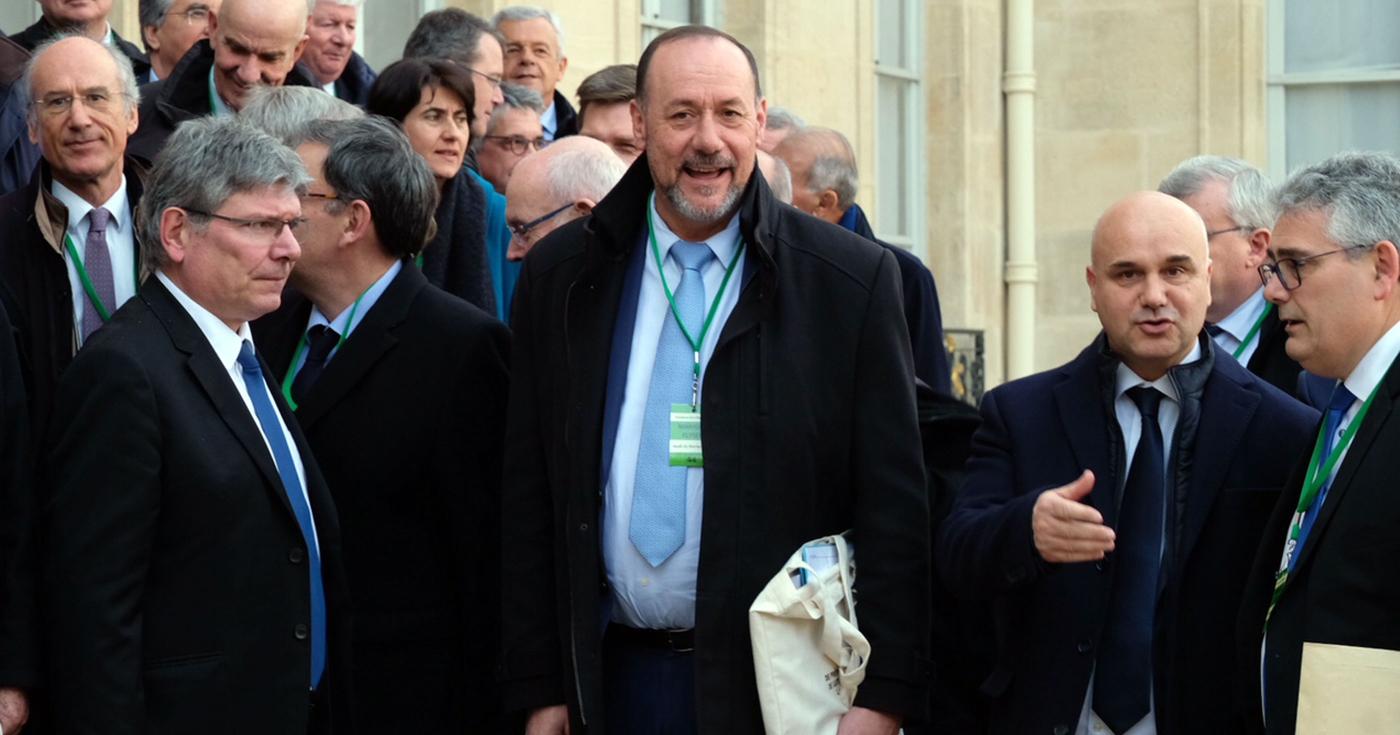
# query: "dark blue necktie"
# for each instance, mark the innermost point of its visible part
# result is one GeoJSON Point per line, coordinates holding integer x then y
{"type": "Point", "coordinates": [320, 341]}
{"type": "Point", "coordinates": [1123, 677]}
{"type": "Point", "coordinates": [1341, 402]}
{"type": "Point", "coordinates": [291, 484]}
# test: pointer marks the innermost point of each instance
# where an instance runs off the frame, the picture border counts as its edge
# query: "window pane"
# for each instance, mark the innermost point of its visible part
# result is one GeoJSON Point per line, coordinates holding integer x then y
{"type": "Point", "coordinates": [677, 11]}
{"type": "Point", "coordinates": [1325, 119]}
{"type": "Point", "coordinates": [891, 18]}
{"type": "Point", "coordinates": [1341, 34]}
{"type": "Point", "coordinates": [891, 149]}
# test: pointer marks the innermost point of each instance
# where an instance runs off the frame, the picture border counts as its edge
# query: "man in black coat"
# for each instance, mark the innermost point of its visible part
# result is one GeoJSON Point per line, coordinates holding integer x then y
{"type": "Point", "coordinates": [330, 54]}
{"type": "Point", "coordinates": [217, 73]}
{"type": "Point", "coordinates": [824, 184]}
{"type": "Point", "coordinates": [190, 551]}
{"type": "Point", "coordinates": [403, 403]}
{"type": "Point", "coordinates": [89, 19]}
{"type": "Point", "coordinates": [18, 155]}
{"type": "Point", "coordinates": [534, 57]}
{"type": "Point", "coordinates": [806, 387]}
{"type": "Point", "coordinates": [1111, 506]}
{"type": "Point", "coordinates": [1325, 572]}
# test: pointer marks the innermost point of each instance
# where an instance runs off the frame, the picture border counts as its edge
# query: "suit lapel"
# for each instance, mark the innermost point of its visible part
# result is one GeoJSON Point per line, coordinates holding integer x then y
{"type": "Point", "coordinates": [1226, 410]}
{"type": "Point", "coordinates": [1080, 405]}
{"type": "Point", "coordinates": [1366, 434]}
{"type": "Point", "coordinates": [367, 343]}
{"type": "Point", "coordinates": [214, 379]}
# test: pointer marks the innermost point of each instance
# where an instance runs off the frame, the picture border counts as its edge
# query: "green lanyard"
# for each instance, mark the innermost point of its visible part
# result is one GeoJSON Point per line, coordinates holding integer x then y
{"type": "Point", "coordinates": [301, 350]}
{"type": "Point", "coordinates": [1254, 330]}
{"type": "Point", "coordinates": [1316, 477]}
{"type": "Point", "coordinates": [695, 342]}
{"type": "Point", "coordinates": [89, 289]}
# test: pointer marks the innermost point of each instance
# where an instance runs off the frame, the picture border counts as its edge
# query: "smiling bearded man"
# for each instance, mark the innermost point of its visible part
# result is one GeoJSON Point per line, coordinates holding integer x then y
{"type": "Point", "coordinates": [804, 378]}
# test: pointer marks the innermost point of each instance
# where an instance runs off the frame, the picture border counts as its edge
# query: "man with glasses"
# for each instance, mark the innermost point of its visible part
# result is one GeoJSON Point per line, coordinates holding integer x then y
{"type": "Point", "coordinates": [169, 28]}
{"type": "Point", "coordinates": [190, 550]}
{"type": "Point", "coordinates": [1112, 506]}
{"type": "Point", "coordinates": [556, 186]}
{"type": "Point", "coordinates": [1326, 571]}
{"type": "Point", "coordinates": [1232, 198]}
{"type": "Point", "coordinates": [512, 134]}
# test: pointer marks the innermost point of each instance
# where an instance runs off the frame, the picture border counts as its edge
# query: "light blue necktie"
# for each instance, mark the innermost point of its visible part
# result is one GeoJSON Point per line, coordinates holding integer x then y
{"type": "Point", "coordinates": [291, 484]}
{"type": "Point", "coordinates": [658, 491]}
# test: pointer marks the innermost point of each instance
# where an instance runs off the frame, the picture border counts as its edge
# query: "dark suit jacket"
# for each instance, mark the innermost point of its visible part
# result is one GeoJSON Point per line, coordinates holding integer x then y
{"type": "Point", "coordinates": [175, 575]}
{"type": "Point", "coordinates": [407, 422]}
{"type": "Point", "coordinates": [1039, 433]}
{"type": "Point", "coordinates": [31, 37]}
{"type": "Point", "coordinates": [1345, 587]}
{"type": "Point", "coordinates": [566, 118]}
{"type": "Point", "coordinates": [354, 83]}
{"type": "Point", "coordinates": [809, 429]}
{"type": "Point", "coordinates": [33, 269]}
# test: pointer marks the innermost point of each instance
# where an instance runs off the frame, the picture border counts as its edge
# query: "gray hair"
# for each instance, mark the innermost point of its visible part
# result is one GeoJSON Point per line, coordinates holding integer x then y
{"type": "Point", "coordinates": [1360, 193]}
{"type": "Point", "coordinates": [518, 13]}
{"type": "Point", "coordinates": [781, 118]}
{"type": "Point", "coordinates": [206, 161]}
{"type": "Point", "coordinates": [450, 33]}
{"type": "Point", "coordinates": [520, 98]}
{"type": "Point", "coordinates": [283, 112]}
{"type": "Point", "coordinates": [781, 183]}
{"type": "Point", "coordinates": [370, 159]}
{"type": "Point", "coordinates": [837, 174]}
{"type": "Point", "coordinates": [583, 174]}
{"type": "Point", "coordinates": [152, 13]}
{"type": "Point", "coordinates": [126, 77]}
{"type": "Point", "coordinates": [1249, 198]}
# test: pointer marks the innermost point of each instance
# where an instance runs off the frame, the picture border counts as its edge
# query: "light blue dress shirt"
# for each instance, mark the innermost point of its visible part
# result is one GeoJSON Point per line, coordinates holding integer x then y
{"type": "Point", "coordinates": [660, 598]}
{"type": "Point", "coordinates": [1234, 328]}
{"type": "Point", "coordinates": [342, 323]}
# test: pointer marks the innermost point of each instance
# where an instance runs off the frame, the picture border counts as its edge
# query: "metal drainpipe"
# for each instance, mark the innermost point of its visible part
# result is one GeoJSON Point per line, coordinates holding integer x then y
{"type": "Point", "coordinates": [1021, 276]}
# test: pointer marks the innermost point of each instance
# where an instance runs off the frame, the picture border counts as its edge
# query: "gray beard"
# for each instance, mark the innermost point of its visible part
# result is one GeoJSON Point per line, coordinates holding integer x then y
{"type": "Point", "coordinates": [701, 215]}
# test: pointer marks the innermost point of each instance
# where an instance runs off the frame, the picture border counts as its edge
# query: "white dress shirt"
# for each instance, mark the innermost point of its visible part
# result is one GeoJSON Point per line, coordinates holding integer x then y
{"type": "Point", "coordinates": [227, 344]}
{"type": "Point", "coordinates": [661, 598]}
{"type": "Point", "coordinates": [1130, 423]}
{"type": "Point", "coordinates": [549, 123]}
{"type": "Point", "coordinates": [1234, 328]}
{"type": "Point", "coordinates": [121, 247]}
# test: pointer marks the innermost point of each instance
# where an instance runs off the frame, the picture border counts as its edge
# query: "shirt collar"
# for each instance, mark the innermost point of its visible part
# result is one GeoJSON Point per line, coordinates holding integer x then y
{"type": "Point", "coordinates": [79, 207]}
{"type": "Point", "coordinates": [549, 119]}
{"type": "Point", "coordinates": [342, 324]}
{"type": "Point", "coordinates": [330, 88]}
{"type": "Point", "coordinates": [216, 103]}
{"type": "Point", "coordinates": [723, 244]}
{"type": "Point", "coordinates": [1372, 369]}
{"type": "Point", "coordinates": [1243, 318]}
{"type": "Point", "coordinates": [226, 342]}
{"type": "Point", "coordinates": [1127, 379]}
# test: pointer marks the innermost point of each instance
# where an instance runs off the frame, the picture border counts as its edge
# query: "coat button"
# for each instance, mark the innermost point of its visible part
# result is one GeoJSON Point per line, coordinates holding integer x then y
{"type": "Point", "coordinates": [1098, 566]}
{"type": "Point", "coordinates": [1084, 646]}
{"type": "Point", "coordinates": [296, 555]}
{"type": "Point", "coordinates": [300, 631]}
{"type": "Point", "coordinates": [583, 527]}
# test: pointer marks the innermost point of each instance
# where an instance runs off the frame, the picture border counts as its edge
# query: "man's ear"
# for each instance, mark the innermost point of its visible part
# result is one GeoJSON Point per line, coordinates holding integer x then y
{"type": "Point", "coordinates": [359, 224]}
{"type": "Point", "coordinates": [1258, 247]}
{"type": "Point", "coordinates": [175, 229]}
{"type": "Point", "coordinates": [148, 34]}
{"type": "Point", "coordinates": [584, 206]}
{"type": "Point", "coordinates": [1091, 279]}
{"type": "Point", "coordinates": [639, 123]}
{"type": "Point", "coordinates": [1387, 269]}
{"type": "Point", "coordinates": [827, 203]}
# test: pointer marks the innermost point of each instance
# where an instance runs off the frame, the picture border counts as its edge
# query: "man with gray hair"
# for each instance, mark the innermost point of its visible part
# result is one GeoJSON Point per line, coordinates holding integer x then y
{"type": "Point", "coordinates": [330, 51]}
{"type": "Point", "coordinates": [400, 388]}
{"type": "Point", "coordinates": [1232, 198]}
{"type": "Point", "coordinates": [781, 123]}
{"type": "Point", "coordinates": [169, 28]}
{"type": "Point", "coordinates": [534, 48]}
{"type": "Point", "coordinates": [1325, 573]}
{"type": "Point", "coordinates": [470, 42]}
{"type": "Point", "coordinates": [190, 550]}
{"type": "Point", "coordinates": [824, 184]}
{"type": "Point", "coordinates": [555, 186]}
{"type": "Point", "coordinates": [513, 133]}
{"type": "Point", "coordinates": [284, 112]}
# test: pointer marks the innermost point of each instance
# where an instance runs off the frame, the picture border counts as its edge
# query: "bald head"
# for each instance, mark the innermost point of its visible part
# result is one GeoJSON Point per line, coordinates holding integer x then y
{"type": "Point", "coordinates": [824, 173]}
{"type": "Point", "coordinates": [559, 183]}
{"type": "Point", "coordinates": [776, 173]}
{"type": "Point", "coordinates": [256, 42]}
{"type": "Point", "coordinates": [1149, 280]}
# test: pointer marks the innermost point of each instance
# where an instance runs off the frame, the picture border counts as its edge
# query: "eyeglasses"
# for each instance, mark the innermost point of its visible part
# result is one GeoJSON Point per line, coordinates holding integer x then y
{"type": "Point", "coordinates": [322, 197]}
{"type": "Point", "coordinates": [522, 231]}
{"type": "Point", "coordinates": [517, 144]}
{"type": "Point", "coordinates": [1211, 234]}
{"type": "Point", "coordinates": [265, 230]}
{"type": "Point", "coordinates": [97, 100]}
{"type": "Point", "coordinates": [1289, 270]}
{"type": "Point", "coordinates": [495, 81]}
{"type": "Point", "coordinates": [196, 16]}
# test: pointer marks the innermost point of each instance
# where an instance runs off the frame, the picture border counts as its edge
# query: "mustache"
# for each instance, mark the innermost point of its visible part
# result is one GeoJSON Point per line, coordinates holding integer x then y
{"type": "Point", "coordinates": [1150, 315]}
{"type": "Point", "coordinates": [717, 160]}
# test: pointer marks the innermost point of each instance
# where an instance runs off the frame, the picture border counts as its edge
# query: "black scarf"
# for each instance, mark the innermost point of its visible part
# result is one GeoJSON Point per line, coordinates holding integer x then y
{"type": "Point", "coordinates": [455, 260]}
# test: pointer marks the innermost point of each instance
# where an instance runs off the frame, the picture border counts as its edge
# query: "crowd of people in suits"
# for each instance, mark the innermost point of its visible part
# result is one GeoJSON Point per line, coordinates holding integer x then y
{"type": "Point", "coordinates": [334, 401]}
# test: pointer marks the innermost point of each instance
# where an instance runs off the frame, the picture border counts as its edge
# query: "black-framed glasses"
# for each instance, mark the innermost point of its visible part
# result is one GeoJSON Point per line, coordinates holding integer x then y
{"type": "Point", "coordinates": [494, 80]}
{"type": "Point", "coordinates": [268, 229]}
{"type": "Point", "coordinates": [1289, 270]}
{"type": "Point", "coordinates": [1210, 235]}
{"type": "Point", "coordinates": [523, 230]}
{"type": "Point", "coordinates": [518, 144]}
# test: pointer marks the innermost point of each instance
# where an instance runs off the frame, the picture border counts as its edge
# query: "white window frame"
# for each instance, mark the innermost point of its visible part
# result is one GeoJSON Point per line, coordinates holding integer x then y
{"type": "Point", "coordinates": [1279, 81]}
{"type": "Point", "coordinates": [702, 12]}
{"type": "Point", "coordinates": [913, 189]}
